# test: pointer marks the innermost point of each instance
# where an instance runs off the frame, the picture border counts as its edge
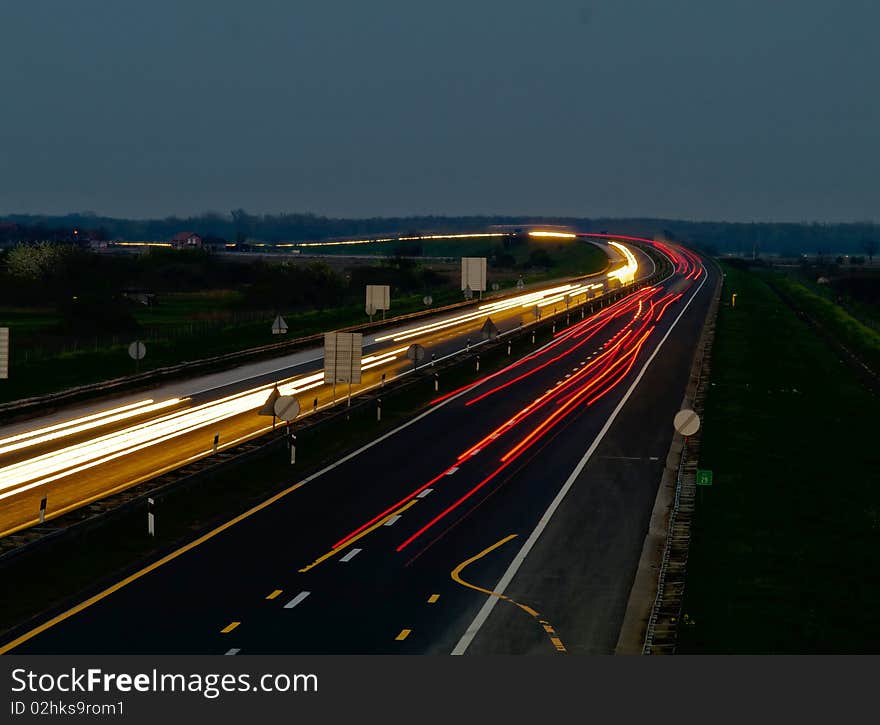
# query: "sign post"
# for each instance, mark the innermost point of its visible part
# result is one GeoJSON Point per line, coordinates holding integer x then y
{"type": "Point", "coordinates": [137, 351]}
{"type": "Point", "coordinates": [342, 359]}
{"type": "Point", "coordinates": [473, 275]}
{"type": "Point", "coordinates": [378, 298]}
{"type": "Point", "coordinates": [287, 408]}
{"type": "Point", "coordinates": [415, 353]}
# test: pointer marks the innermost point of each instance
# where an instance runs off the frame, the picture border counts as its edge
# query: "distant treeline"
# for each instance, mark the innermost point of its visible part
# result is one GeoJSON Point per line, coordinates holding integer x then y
{"type": "Point", "coordinates": [240, 226]}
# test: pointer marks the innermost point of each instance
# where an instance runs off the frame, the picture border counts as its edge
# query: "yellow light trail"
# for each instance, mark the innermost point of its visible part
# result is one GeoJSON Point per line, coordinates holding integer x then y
{"type": "Point", "coordinates": [76, 458]}
{"type": "Point", "coordinates": [627, 273]}
{"type": "Point", "coordinates": [529, 299]}
{"type": "Point", "coordinates": [553, 235]}
{"type": "Point", "coordinates": [380, 240]}
{"type": "Point", "coordinates": [74, 421]}
{"type": "Point", "coordinates": [62, 430]}
{"type": "Point", "coordinates": [39, 470]}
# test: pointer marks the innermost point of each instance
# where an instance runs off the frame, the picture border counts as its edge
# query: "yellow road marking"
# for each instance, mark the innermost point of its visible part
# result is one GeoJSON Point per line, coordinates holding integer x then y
{"type": "Point", "coordinates": [433, 598]}
{"type": "Point", "coordinates": [349, 542]}
{"type": "Point", "coordinates": [274, 594]}
{"type": "Point", "coordinates": [404, 633]}
{"type": "Point", "coordinates": [456, 576]}
{"type": "Point", "coordinates": [229, 627]}
{"type": "Point", "coordinates": [146, 570]}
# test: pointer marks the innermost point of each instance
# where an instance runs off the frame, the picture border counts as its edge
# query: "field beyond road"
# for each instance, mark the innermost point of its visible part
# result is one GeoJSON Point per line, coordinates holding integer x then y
{"type": "Point", "coordinates": [786, 542]}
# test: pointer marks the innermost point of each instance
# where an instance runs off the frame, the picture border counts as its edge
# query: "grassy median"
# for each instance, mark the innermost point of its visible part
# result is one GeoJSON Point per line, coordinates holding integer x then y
{"type": "Point", "coordinates": [786, 542]}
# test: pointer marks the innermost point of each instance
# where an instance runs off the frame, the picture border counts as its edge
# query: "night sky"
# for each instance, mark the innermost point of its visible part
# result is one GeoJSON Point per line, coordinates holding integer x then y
{"type": "Point", "coordinates": [709, 109]}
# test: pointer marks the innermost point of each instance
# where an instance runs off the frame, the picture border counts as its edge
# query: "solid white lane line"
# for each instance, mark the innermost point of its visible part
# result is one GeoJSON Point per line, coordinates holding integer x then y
{"type": "Point", "coordinates": [392, 520]}
{"type": "Point", "coordinates": [425, 493]}
{"type": "Point", "coordinates": [296, 600]}
{"type": "Point", "coordinates": [521, 555]}
{"type": "Point", "coordinates": [351, 555]}
{"type": "Point", "coordinates": [233, 651]}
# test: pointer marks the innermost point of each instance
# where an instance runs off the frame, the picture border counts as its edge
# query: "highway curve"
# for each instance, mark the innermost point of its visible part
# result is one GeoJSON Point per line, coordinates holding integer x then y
{"type": "Point", "coordinates": [538, 480]}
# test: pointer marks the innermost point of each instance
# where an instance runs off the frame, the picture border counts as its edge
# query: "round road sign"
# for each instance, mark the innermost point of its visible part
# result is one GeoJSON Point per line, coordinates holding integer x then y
{"type": "Point", "coordinates": [287, 407]}
{"type": "Point", "coordinates": [686, 422]}
{"type": "Point", "coordinates": [137, 350]}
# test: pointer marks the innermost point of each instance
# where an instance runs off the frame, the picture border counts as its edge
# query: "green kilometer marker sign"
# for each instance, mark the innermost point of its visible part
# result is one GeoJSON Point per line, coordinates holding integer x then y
{"type": "Point", "coordinates": [704, 478]}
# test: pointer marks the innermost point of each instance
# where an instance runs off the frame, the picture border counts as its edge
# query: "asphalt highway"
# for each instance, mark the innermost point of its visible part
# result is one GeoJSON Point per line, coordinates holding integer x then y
{"type": "Point", "coordinates": [75, 459]}
{"type": "Point", "coordinates": [507, 518]}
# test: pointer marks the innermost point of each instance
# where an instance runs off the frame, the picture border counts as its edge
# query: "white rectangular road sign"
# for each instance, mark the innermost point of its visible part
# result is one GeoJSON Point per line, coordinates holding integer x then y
{"type": "Point", "coordinates": [4, 352]}
{"type": "Point", "coordinates": [378, 298]}
{"type": "Point", "coordinates": [473, 273]}
{"type": "Point", "coordinates": [342, 357]}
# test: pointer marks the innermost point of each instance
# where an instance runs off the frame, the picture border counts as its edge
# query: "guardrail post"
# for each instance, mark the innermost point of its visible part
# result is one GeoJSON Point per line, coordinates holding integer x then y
{"type": "Point", "coordinates": [216, 441]}
{"type": "Point", "coordinates": [43, 509]}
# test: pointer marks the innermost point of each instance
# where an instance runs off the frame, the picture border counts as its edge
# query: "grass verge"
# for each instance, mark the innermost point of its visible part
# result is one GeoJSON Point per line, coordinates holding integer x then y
{"type": "Point", "coordinates": [786, 543]}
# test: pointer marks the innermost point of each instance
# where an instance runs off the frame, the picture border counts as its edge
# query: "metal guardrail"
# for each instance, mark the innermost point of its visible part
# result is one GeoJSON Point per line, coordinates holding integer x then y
{"type": "Point", "coordinates": [171, 371]}
{"type": "Point", "coordinates": [194, 365]}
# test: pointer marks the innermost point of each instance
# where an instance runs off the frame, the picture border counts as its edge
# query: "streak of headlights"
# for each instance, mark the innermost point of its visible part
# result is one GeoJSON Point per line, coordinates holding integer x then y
{"type": "Point", "coordinates": [73, 459]}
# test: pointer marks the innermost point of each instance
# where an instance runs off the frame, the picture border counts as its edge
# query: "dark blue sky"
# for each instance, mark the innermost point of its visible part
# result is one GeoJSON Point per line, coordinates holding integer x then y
{"type": "Point", "coordinates": [708, 109]}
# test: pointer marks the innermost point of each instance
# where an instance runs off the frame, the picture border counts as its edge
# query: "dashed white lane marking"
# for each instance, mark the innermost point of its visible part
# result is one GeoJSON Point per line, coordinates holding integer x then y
{"type": "Point", "coordinates": [296, 600]}
{"type": "Point", "coordinates": [233, 651]}
{"type": "Point", "coordinates": [351, 555]}
{"type": "Point", "coordinates": [392, 520]}
{"type": "Point", "coordinates": [451, 470]}
{"type": "Point", "coordinates": [425, 492]}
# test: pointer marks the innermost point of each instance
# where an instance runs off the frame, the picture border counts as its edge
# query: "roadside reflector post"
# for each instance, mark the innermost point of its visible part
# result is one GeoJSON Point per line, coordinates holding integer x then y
{"type": "Point", "coordinates": [468, 345]}
{"type": "Point", "coordinates": [151, 518]}
{"type": "Point", "coordinates": [291, 442]}
{"type": "Point", "coordinates": [478, 363]}
{"type": "Point", "coordinates": [436, 382]}
{"type": "Point", "coordinates": [43, 509]}
{"type": "Point", "coordinates": [533, 337]}
{"type": "Point", "coordinates": [378, 410]}
{"type": "Point", "coordinates": [433, 358]}
{"type": "Point", "coordinates": [216, 441]}
{"type": "Point", "coordinates": [508, 347]}
{"type": "Point", "coordinates": [315, 405]}
{"type": "Point", "coordinates": [383, 380]}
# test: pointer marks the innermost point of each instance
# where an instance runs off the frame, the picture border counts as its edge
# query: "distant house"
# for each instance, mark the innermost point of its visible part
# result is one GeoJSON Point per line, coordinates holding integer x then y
{"type": "Point", "coordinates": [186, 240]}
